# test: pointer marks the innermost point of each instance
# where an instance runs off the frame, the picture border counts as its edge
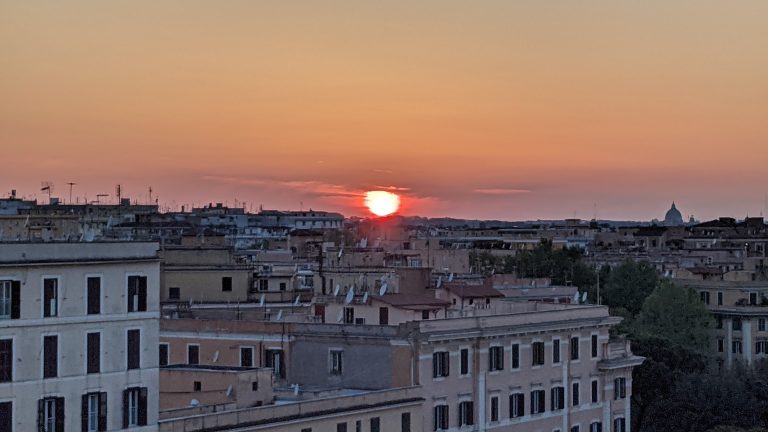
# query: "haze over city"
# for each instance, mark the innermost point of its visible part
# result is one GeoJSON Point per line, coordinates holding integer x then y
{"type": "Point", "coordinates": [503, 110]}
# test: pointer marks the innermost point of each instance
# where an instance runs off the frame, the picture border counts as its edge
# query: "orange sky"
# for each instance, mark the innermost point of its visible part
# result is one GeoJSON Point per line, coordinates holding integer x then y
{"type": "Point", "coordinates": [491, 109]}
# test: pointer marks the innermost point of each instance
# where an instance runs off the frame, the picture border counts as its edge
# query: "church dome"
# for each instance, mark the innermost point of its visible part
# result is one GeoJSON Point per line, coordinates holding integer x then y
{"type": "Point", "coordinates": [673, 217]}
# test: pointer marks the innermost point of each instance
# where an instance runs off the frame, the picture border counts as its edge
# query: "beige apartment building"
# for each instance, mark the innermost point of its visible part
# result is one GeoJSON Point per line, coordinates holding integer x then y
{"type": "Point", "coordinates": [79, 336]}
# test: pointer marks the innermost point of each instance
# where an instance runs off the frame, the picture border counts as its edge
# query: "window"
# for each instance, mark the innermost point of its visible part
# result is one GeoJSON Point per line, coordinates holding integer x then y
{"type": "Point", "coordinates": [375, 424]}
{"type": "Point", "coordinates": [704, 297]}
{"type": "Point", "coordinates": [575, 394]}
{"type": "Point", "coordinates": [619, 425]}
{"type": "Point", "coordinates": [50, 297]}
{"type": "Point", "coordinates": [464, 360]}
{"type": "Point", "coordinates": [595, 392]}
{"type": "Point", "coordinates": [133, 349]}
{"type": "Point", "coordinates": [441, 417]}
{"type": "Point", "coordinates": [736, 324]}
{"type": "Point", "coordinates": [619, 388]}
{"type": "Point", "coordinates": [349, 315]}
{"type": "Point", "coordinates": [761, 324]}
{"type": "Point", "coordinates": [50, 414]}
{"type": "Point", "coordinates": [10, 299]}
{"type": "Point", "coordinates": [193, 354]}
{"type": "Point", "coordinates": [425, 314]}
{"type": "Point", "coordinates": [720, 345]}
{"type": "Point", "coordinates": [246, 356]}
{"type": "Point", "coordinates": [595, 427]}
{"type": "Point", "coordinates": [515, 356]}
{"type": "Point", "coordinates": [6, 360]}
{"type": "Point", "coordinates": [134, 407]}
{"type": "Point", "coordinates": [537, 401]}
{"type": "Point", "coordinates": [336, 362]}
{"type": "Point", "coordinates": [383, 316]}
{"type": "Point", "coordinates": [594, 346]}
{"type": "Point", "coordinates": [93, 412]}
{"type": "Point", "coordinates": [274, 360]}
{"type": "Point", "coordinates": [736, 347]}
{"type": "Point", "coordinates": [405, 422]}
{"type": "Point", "coordinates": [264, 284]}
{"type": "Point", "coordinates": [555, 351]}
{"type": "Point", "coordinates": [496, 358]}
{"type": "Point", "coordinates": [575, 428]}
{"type": "Point", "coordinates": [466, 413]}
{"type": "Point", "coordinates": [50, 356]}
{"type": "Point", "coordinates": [306, 430]}
{"type": "Point", "coordinates": [93, 285]}
{"type": "Point", "coordinates": [557, 395]}
{"type": "Point", "coordinates": [226, 283]}
{"type": "Point", "coordinates": [719, 298]}
{"type": "Point", "coordinates": [137, 293]}
{"type": "Point", "coordinates": [753, 298]}
{"type": "Point", "coordinates": [494, 408]}
{"type": "Point", "coordinates": [6, 416]}
{"type": "Point", "coordinates": [516, 405]}
{"type": "Point", "coordinates": [93, 350]}
{"type": "Point", "coordinates": [197, 386]}
{"type": "Point", "coordinates": [283, 286]}
{"type": "Point", "coordinates": [719, 323]}
{"type": "Point", "coordinates": [574, 348]}
{"type": "Point", "coordinates": [440, 364]}
{"type": "Point", "coordinates": [537, 353]}
{"type": "Point", "coordinates": [255, 386]}
{"type": "Point", "coordinates": [761, 347]}
{"type": "Point", "coordinates": [358, 426]}
{"type": "Point", "coordinates": [163, 351]}
{"type": "Point", "coordinates": [174, 293]}
{"type": "Point", "coordinates": [341, 427]}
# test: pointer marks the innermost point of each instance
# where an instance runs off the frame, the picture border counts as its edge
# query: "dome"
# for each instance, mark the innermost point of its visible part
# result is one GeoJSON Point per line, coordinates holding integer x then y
{"type": "Point", "coordinates": [673, 217]}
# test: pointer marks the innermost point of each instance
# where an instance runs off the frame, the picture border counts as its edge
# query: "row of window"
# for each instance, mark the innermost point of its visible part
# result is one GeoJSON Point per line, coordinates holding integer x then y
{"type": "Point", "coordinates": [50, 354]}
{"type": "Point", "coordinates": [736, 324]}
{"type": "Point", "coordinates": [93, 411]}
{"type": "Point", "coordinates": [441, 359]}
{"type": "Point", "coordinates": [273, 358]}
{"type": "Point", "coordinates": [10, 296]}
{"type": "Point", "coordinates": [753, 298]}
{"type": "Point", "coordinates": [174, 293]}
{"type": "Point", "coordinates": [761, 346]}
{"type": "Point", "coordinates": [374, 425]}
{"type": "Point", "coordinates": [517, 403]}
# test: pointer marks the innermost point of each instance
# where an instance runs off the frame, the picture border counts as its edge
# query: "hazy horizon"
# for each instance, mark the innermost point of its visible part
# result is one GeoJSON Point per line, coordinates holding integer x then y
{"type": "Point", "coordinates": [502, 110]}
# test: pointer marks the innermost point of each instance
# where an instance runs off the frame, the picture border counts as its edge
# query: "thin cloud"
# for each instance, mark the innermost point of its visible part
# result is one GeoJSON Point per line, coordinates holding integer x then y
{"type": "Point", "coordinates": [501, 191]}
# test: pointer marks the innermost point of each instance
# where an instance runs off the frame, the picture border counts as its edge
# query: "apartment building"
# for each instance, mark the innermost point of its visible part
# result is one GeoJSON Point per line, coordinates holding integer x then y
{"type": "Point", "coordinates": [79, 336]}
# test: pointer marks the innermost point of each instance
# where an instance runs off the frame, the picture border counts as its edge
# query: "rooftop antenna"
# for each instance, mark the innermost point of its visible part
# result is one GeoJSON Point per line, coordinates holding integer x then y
{"type": "Point", "coordinates": [150, 194]}
{"type": "Point", "coordinates": [47, 186]}
{"type": "Point", "coordinates": [119, 193]}
{"type": "Point", "coordinates": [99, 196]}
{"type": "Point", "coordinates": [70, 190]}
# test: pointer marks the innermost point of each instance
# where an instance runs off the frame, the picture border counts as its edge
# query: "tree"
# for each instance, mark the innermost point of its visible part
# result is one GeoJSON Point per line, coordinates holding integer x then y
{"type": "Point", "coordinates": [628, 285]}
{"type": "Point", "coordinates": [677, 314]}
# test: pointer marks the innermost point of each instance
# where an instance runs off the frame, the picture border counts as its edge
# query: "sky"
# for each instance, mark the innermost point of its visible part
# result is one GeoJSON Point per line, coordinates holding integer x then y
{"type": "Point", "coordinates": [490, 109]}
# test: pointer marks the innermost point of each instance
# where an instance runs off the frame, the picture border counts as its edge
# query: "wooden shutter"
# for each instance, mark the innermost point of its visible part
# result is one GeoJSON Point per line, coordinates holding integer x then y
{"type": "Point", "coordinates": [41, 415]}
{"type": "Point", "coordinates": [125, 408]}
{"type": "Point", "coordinates": [142, 293]}
{"type": "Point", "coordinates": [103, 411]}
{"type": "Point", "coordinates": [59, 413]}
{"type": "Point", "coordinates": [142, 417]}
{"type": "Point", "coordinates": [15, 299]}
{"type": "Point", "coordinates": [470, 413]}
{"type": "Point", "coordinates": [84, 413]}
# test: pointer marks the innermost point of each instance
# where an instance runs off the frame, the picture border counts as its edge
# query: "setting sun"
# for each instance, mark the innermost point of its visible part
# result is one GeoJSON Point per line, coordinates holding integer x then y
{"type": "Point", "coordinates": [382, 203]}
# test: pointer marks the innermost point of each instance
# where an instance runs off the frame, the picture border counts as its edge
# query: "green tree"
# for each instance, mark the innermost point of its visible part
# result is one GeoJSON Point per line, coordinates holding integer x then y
{"type": "Point", "coordinates": [628, 285]}
{"type": "Point", "coordinates": [675, 313]}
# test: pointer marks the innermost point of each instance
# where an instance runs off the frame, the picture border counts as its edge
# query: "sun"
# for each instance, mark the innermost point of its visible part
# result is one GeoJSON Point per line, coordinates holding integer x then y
{"type": "Point", "coordinates": [382, 203]}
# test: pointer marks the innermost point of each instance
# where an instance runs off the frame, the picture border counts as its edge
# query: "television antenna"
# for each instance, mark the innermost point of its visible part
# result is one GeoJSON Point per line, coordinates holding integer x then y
{"type": "Point", "coordinates": [70, 191]}
{"type": "Point", "coordinates": [119, 193]}
{"type": "Point", "coordinates": [47, 186]}
{"type": "Point", "coordinates": [99, 196]}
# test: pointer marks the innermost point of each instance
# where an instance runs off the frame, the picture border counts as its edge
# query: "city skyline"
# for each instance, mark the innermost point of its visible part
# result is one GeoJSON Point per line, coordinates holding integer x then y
{"type": "Point", "coordinates": [505, 110]}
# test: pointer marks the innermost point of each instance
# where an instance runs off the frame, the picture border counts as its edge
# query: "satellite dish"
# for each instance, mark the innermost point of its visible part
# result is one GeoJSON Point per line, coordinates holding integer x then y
{"type": "Point", "coordinates": [297, 301]}
{"type": "Point", "coordinates": [340, 317]}
{"type": "Point", "coordinates": [365, 297]}
{"type": "Point", "coordinates": [229, 390]}
{"type": "Point", "coordinates": [350, 296]}
{"type": "Point", "coordinates": [584, 297]}
{"type": "Point", "coordinates": [280, 315]}
{"type": "Point", "coordinates": [439, 281]}
{"type": "Point", "coordinates": [364, 243]}
{"type": "Point", "coordinates": [450, 278]}
{"type": "Point", "coordinates": [261, 300]}
{"type": "Point", "coordinates": [576, 297]}
{"type": "Point", "coordinates": [341, 252]}
{"type": "Point", "coordinates": [216, 356]}
{"type": "Point", "coordinates": [295, 389]}
{"type": "Point", "coordinates": [336, 290]}
{"type": "Point", "coordinates": [194, 403]}
{"type": "Point", "coordinates": [383, 289]}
